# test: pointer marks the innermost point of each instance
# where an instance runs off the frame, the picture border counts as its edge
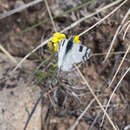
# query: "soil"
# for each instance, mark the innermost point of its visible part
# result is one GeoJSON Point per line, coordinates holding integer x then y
{"type": "Point", "coordinates": [66, 96]}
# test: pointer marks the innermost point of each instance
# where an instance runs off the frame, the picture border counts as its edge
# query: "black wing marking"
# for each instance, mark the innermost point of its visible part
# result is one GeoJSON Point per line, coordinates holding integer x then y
{"type": "Point", "coordinates": [63, 42]}
{"type": "Point", "coordinates": [69, 45]}
{"type": "Point", "coordinates": [87, 54]}
{"type": "Point", "coordinates": [80, 48]}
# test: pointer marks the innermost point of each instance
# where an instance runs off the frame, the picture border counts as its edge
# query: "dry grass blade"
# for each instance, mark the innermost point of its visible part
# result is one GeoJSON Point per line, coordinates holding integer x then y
{"type": "Point", "coordinates": [104, 19]}
{"type": "Point", "coordinates": [112, 53]}
{"type": "Point", "coordinates": [8, 54]}
{"type": "Point", "coordinates": [119, 66]}
{"type": "Point", "coordinates": [82, 114]}
{"type": "Point", "coordinates": [115, 76]}
{"type": "Point", "coordinates": [95, 120]}
{"type": "Point", "coordinates": [99, 103]}
{"type": "Point", "coordinates": [116, 89]}
{"type": "Point", "coordinates": [124, 26]}
{"type": "Point", "coordinates": [126, 31]}
{"type": "Point", "coordinates": [88, 16]}
{"type": "Point", "coordinates": [50, 15]}
{"type": "Point", "coordinates": [117, 31]}
{"type": "Point", "coordinates": [19, 9]}
{"type": "Point", "coordinates": [42, 44]}
{"type": "Point", "coordinates": [66, 29]}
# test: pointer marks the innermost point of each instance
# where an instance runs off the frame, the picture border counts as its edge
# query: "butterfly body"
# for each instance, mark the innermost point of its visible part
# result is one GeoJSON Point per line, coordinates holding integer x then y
{"type": "Point", "coordinates": [70, 53]}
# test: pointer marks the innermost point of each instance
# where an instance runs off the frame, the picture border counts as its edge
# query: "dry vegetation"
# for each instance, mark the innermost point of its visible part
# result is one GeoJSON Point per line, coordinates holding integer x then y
{"type": "Point", "coordinates": [94, 96]}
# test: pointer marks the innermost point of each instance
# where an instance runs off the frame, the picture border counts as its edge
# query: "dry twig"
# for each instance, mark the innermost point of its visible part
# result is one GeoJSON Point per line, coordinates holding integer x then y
{"type": "Point", "coordinates": [112, 53]}
{"type": "Point", "coordinates": [19, 9]}
{"type": "Point", "coordinates": [8, 54]}
{"type": "Point", "coordinates": [117, 31]}
{"type": "Point", "coordinates": [103, 18]}
{"type": "Point", "coordinates": [124, 26]}
{"type": "Point", "coordinates": [116, 89]}
{"type": "Point", "coordinates": [119, 67]}
{"type": "Point", "coordinates": [82, 114]}
{"type": "Point", "coordinates": [50, 15]}
{"type": "Point", "coordinates": [126, 31]}
{"type": "Point", "coordinates": [99, 103]}
{"type": "Point", "coordinates": [90, 15]}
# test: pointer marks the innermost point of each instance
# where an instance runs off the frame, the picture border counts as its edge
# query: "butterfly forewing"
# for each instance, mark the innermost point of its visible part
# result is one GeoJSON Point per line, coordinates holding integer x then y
{"type": "Point", "coordinates": [61, 52]}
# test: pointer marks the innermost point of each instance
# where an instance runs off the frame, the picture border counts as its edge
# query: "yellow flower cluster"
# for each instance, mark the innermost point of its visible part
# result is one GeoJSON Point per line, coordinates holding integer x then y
{"type": "Point", "coordinates": [55, 40]}
{"type": "Point", "coordinates": [76, 39]}
{"type": "Point", "coordinates": [57, 37]}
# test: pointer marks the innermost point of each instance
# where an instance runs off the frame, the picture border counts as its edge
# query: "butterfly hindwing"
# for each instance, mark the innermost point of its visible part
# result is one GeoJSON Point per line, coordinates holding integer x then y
{"type": "Point", "coordinates": [78, 52]}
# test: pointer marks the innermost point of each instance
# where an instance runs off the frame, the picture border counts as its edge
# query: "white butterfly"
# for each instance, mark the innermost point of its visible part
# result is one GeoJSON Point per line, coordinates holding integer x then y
{"type": "Point", "coordinates": [70, 53]}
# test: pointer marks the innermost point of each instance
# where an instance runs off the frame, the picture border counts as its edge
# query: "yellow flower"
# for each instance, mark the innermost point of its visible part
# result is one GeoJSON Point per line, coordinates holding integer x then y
{"type": "Point", "coordinates": [62, 36]}
{"type": "Point", "coordinates": [56, 34]}
{"type": "Point", "coordinates": [76, 39]}
{"type": "Point", "coordinates": [57, 37]}
{"type": "Point", "coordinates": [56, 46]}
{"type": "Point", "coordinates": [55, 40]}
{"type": "Point", "coordinates": [50, 45]}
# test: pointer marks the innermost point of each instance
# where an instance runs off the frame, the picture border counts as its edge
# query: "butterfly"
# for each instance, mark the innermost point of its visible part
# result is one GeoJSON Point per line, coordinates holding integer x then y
{"type": "Point", "coordinates": [70, 53]}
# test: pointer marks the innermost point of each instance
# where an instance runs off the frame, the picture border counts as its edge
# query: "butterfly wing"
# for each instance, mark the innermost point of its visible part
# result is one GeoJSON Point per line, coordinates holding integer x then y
{"type": "Point", "coordinates": [61, 52]}
{"type": "Point", "coordinates": [67, 62]}
{"type": "Point", "coordinates": [75, 55]}
{"type": "Point", "coordinates": [79, 52]}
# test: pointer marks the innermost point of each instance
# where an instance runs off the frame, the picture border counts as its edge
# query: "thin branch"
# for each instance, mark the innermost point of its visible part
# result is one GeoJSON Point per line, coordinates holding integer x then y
{"type": "Point", "coordinates": [117, 31]}
{"type": "Point", "coordinates": [93, 123]}
{"type": "Point", "coordinates": [8, 54]}
{"type": "Point", "coordinates": [124, 26]}
{"type": "Point", "coordinates": [112, 53]}
{"type": "Point", "coordinates": [126, 31]}
{"type": "Point", "coordinates": [57, 16]}
{"type": "Point", "coordinates": [82, 114]}
{"type": "Point", "coordinates": [50, 15]}
{"type": "Point", "coordinates": [119, 66]}
{"type": "Point", "coordinates": [115, 90]}
{"type": "Point", "coordinates": [99, 103]}
{"type": "Point", "coordinates": [92, 14]}
{"type": "Point", "coordinates": [103, 18]}
{"type": "Point", "coordinates": [19, 9]}
{"type": "Point", "coordinates": [42, 44]}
